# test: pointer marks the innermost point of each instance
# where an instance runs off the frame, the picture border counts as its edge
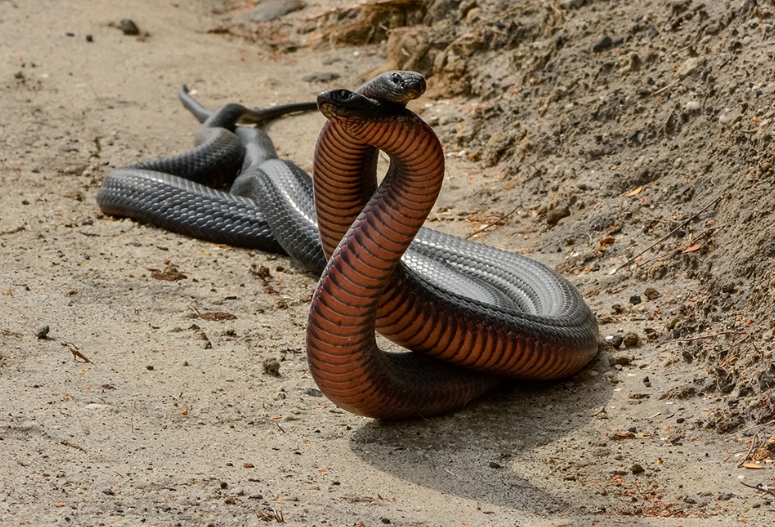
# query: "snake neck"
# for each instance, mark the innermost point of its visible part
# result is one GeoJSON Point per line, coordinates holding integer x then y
{"type": "Point", "coordinates": [345, 178]}
{"type": "Point", "coordinates": [341, 347]}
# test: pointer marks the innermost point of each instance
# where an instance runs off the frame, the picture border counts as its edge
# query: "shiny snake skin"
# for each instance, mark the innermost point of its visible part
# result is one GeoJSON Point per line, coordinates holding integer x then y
{"type": "Point", "coordinates": [456, 300]}
{"type": "Point", "coordinates": [538, 327]}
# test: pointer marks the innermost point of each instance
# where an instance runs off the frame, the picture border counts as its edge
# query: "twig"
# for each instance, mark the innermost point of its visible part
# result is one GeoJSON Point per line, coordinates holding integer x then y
{"type": "Point", "coordinates": [714, 335]}
{"type": "Point", "coordinates": [666, 236]}
{"type": "Point", "coordinates": [76, 354]}
{"type": "Point", "coordinates": [754, 443]}
{"type": "Point", "coordinates": [491, 224]}
{"type": "Point", "coordinates": [12, 231]}
{"type": "Point", "coordinates": [761, 487]}
{"type": "Point", "coordinates": [757, 426]}
{"type": "Point", "coordinates": [72, 445]}
{"type": "Point", "coordinates": [666, 87]}
{"type": "Point", "coordinates": [702, 235]}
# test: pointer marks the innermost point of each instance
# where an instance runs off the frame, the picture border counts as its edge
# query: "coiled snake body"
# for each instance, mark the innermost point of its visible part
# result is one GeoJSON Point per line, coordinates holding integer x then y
{"type": "Point", "coordinates": [472, 314]}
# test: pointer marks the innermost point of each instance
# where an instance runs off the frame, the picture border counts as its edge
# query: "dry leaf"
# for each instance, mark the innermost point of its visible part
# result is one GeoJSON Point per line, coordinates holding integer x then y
{"type": "Point", "coordinates": [635, 192]}
{"type": "Point", "coordinates": [691, 249]}
{"type": "Point", "coordinates": [753, 466]}
{"type": "Point", "coordinates": [608, 240]}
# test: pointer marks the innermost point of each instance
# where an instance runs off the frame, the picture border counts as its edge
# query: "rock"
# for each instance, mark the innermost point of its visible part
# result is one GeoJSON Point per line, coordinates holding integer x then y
{"type": "Point", "coordinates": [616, 342]}
{"type": "Point", "coordinates": [657, 271]}
{"type": "Point", "coordinates": [635, 62]}
{"type": "Point", "coordinates": [688, 67]}
{"type": "Point", "coordinates": [602, 44]}
{"type": "Point", "coordinates": [631, 339]}
{"type": "Point", "coordinates": [274, 9]}
{"type": "Point", "coordinates": [675, 322]}
{"type": "Point", "coordinates": [272, 367]}
{"type": "Point", "coordinates": [621, 360]}
{"type": "Point", "coordinates": [572, 4]}
{"type": "Point", "coordinates": [637, 469]}
{"type": "Point", "coordinates": [651, 293]}
{"type": "Point", "coordinates": [129, 27]}
{"type": "Point", "coordinates": [635, 300]}
{"type": "Point", "coordinates": [555, 215]}
{"type": "Point", "coordinates": [313, 392]}
{"type": "Point", "coordinates": [496, 146]}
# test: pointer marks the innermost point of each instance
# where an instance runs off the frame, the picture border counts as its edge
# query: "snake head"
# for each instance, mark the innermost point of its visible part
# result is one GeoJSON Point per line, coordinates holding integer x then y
{"type": "Point", "coordinates": [398, 87]}
{"type": "Point", "coordinates": [344, 105]}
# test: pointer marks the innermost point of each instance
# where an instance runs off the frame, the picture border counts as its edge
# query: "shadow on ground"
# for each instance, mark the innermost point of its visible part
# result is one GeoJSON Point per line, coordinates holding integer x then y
{"type": "Point", "coordinates": [475, 453]}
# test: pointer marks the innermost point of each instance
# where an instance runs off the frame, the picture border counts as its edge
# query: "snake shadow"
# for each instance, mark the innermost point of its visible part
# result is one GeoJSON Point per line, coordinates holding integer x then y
{"type": "Point", "coordinates": [476, 452]}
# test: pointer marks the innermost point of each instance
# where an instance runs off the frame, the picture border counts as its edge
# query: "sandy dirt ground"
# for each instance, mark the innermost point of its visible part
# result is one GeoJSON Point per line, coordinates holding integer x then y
{"type": "Point", "coordinates": [173, 418]}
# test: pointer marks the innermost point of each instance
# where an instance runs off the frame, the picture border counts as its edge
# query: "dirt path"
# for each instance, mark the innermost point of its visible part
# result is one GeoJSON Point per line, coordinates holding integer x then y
{"type": "Point", "coordinates": [174, 420]}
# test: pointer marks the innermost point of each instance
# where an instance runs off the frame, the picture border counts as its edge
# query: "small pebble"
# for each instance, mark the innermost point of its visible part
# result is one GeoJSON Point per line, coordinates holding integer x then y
{"type": "Point", "coordinates": [108, 492]}
{"type": "Point", "coordinates": [635, 300]}
{"type": "Point", "coordinates": [651, 293]}
{"type": "Point", "coordinates": [272, 367]}
{"type": "Point", "coordinates": [493, 464]}
{"type": "Point", "coordinates": [555, 215]}
{"type": "Point", "coordinates": [89, 38]}
{"type": "Point", "coordinates": [631, 339]}
{"type": "Point", "coordinates": [129, 27]}
{"type": "Point", "coordinates": [42, 333]}
{"type": "Point", "coordinates": [602, 44]}
{"type": "Point", "coordinates": [149, 368]}
{"type": "Point", "coordinates": [637, 469]}
{"type": "Point", "coordinates": [621, 360]}
{"type": "Point", "coordinates": [688, 67]}
{"type": "Point", "coordinates": [313, 392]}
{"type": "Point", "coordinates": [70, 34]}
{"type": "Point", "coordinates": [616, 341]}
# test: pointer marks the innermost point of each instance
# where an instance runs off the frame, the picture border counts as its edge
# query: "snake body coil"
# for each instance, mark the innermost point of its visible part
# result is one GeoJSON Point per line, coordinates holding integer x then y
{"type": "Point", "coordinates": [484, 312]}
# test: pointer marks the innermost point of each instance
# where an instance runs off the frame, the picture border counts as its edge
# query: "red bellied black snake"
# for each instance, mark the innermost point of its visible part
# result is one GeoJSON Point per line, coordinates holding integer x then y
{"type": "Point", "coordinates": [472, 314]}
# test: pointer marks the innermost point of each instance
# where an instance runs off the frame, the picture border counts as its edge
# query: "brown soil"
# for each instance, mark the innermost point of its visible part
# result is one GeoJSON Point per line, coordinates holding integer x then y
{"type": "Point", "coordinates": [625, 145]}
